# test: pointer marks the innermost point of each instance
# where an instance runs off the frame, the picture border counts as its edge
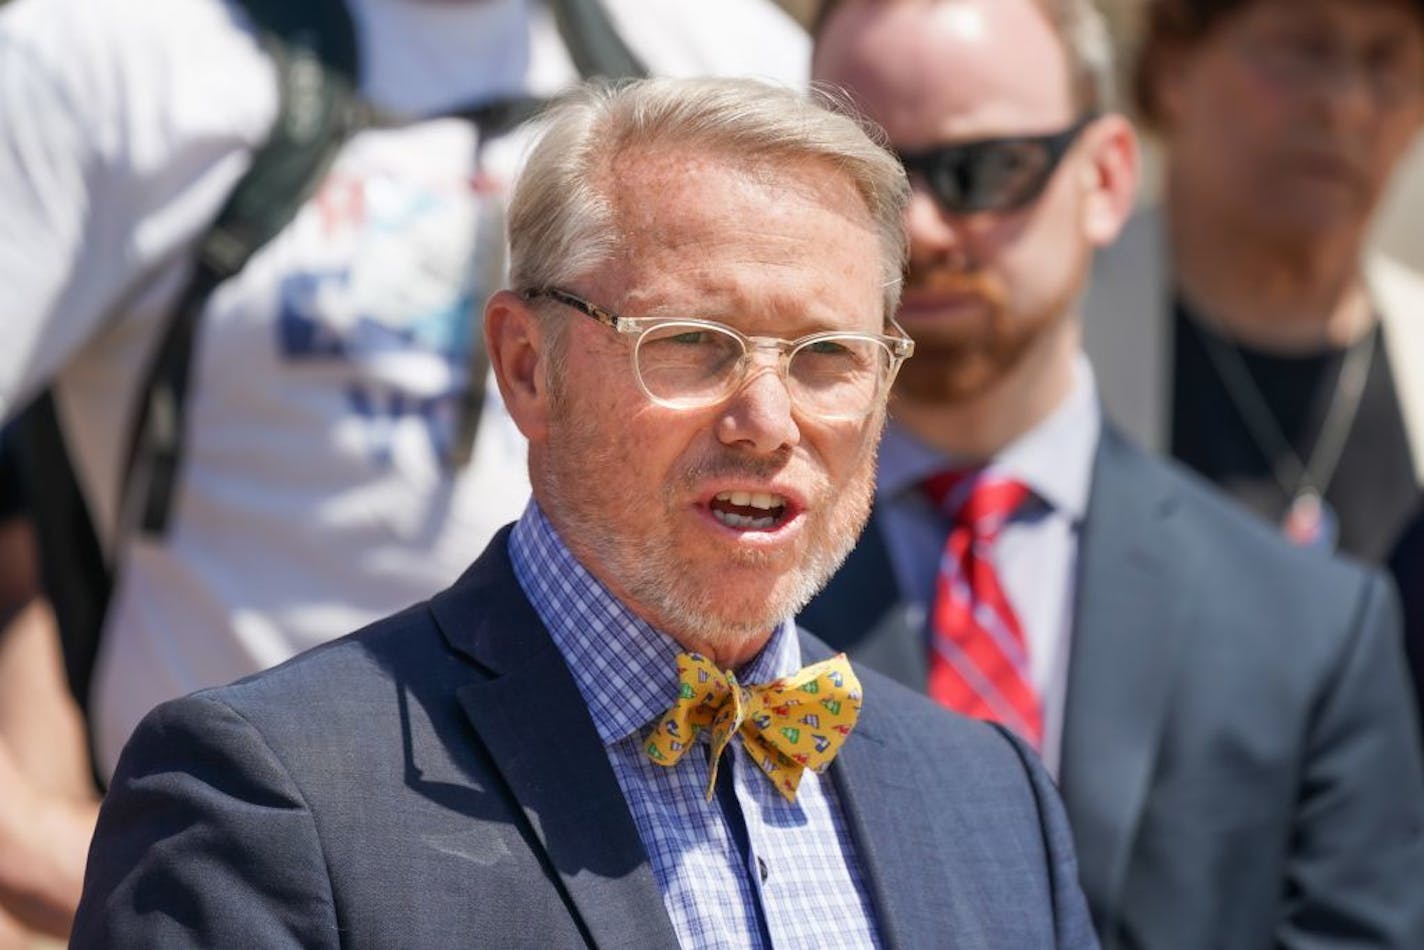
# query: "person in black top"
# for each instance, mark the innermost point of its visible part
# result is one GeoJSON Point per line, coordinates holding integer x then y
{"type": "Point", "coordinates": [1244, 326]}
{"type": "Point", "coordinates": [1341, 433]}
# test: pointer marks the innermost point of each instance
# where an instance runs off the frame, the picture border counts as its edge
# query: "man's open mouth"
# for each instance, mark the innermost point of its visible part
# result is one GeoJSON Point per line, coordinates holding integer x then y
{"type": "Point", "coordinates": [756, 511]}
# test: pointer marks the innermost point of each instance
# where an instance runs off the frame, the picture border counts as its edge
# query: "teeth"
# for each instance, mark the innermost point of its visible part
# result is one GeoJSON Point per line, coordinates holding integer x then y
{"type": "Point", "coordinates": [742, 499]}
{"type": "Point", "coordinates": [743, 521]}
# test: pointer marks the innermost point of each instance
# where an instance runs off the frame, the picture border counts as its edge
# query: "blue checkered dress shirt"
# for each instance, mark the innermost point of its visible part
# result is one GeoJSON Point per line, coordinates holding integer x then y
{"type": "Point", "coordinates": [810, 886]}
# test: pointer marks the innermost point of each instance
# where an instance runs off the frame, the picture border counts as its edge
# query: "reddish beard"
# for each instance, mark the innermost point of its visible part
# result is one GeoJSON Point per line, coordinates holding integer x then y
{"type": "Point", "coordinates": [966, 352]}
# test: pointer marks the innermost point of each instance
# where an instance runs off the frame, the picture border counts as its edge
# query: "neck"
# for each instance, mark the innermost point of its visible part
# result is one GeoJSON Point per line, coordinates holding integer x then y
{"type": "Point", "coordinates": [1273, 293]}
{"type": "Point", "coordinates": [982, 424]}
{"type": "Point", "coordinates": [727, 655]}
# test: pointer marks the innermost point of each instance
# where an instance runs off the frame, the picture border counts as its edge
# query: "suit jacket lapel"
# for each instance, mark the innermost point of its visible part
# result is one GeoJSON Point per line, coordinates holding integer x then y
{"type": "Point", "coordinates": [889, 822]}
{"type": "Point", "coordinates": [1126, 636]}
{"type": "Point", "coordinates": [531, 717]}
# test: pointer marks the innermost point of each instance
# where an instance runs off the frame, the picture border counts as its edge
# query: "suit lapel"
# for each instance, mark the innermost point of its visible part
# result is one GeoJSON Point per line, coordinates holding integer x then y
{"type": "Point", "coordinates": [889, 822]}
{"type": "Point", "coordinates": [1126, 636]}
{"type": "Point", "coordinates": [532, 719]}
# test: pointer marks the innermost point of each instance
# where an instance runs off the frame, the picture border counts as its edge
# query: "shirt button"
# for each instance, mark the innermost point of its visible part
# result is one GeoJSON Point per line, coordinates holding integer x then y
{"type": "Point", "coordinates": [761, 866]}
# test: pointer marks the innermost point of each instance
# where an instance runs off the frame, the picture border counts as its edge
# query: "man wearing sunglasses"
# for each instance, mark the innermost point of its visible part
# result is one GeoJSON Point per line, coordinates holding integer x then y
{"type": "Point", "coordinates": [1227, 715]}
{"type": "Point", "coordinates": [698, 343]}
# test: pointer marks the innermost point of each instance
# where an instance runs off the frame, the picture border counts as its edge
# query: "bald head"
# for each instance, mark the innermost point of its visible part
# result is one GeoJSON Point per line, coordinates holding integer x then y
{"type": "Point", "coordinates": [931, 71]}
{"type": "Point", "coordinates": [1081, 60]}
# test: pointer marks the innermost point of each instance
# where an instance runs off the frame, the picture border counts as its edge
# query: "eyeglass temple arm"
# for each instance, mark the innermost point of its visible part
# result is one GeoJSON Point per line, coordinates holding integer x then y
{"type": "Point", "coordinates": [606, 317]}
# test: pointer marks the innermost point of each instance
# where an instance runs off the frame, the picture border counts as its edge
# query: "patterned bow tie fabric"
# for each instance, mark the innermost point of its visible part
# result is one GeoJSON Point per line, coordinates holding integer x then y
{"type": "Point", "coordinates": [789, 725]}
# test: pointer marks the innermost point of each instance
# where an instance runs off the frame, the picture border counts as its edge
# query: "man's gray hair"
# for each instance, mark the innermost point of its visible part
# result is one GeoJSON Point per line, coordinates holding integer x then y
{"type": "Point", "coordinates": [562, 216]}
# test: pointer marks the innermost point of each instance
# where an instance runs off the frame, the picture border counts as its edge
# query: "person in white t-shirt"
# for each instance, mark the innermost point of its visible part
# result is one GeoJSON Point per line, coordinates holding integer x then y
{"type": "Point", "coordinates": [315, 492]}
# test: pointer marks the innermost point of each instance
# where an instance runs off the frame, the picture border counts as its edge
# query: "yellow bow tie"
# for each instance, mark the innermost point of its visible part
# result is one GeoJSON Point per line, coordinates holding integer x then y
{"type": "Point", "coordinates": [789, 725]}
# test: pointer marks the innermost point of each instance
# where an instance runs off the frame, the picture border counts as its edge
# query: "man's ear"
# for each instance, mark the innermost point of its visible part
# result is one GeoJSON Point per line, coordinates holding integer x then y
{"type": "Point", "coordinates": [516, 351]}
{"type": "Point", "coordinates": [1113, 170]}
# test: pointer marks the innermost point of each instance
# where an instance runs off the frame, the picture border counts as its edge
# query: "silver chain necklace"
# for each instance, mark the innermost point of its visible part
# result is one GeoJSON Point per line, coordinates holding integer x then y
{"type": "Point", "coordinates": [1308, 520]}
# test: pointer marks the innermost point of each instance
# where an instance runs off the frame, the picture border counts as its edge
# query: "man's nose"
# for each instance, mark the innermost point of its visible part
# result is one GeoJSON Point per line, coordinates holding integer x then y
{"type": "Point", "coordinates": [759, 414]}
{"type": "Point", "coordinates": [934, 233]}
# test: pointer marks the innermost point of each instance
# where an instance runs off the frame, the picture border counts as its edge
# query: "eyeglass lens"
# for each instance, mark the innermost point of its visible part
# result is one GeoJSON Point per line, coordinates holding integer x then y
{"type": "Point", "coordinates": [688, 365]}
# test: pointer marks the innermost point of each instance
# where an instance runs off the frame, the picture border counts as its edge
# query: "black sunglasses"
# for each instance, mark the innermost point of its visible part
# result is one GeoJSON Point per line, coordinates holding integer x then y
{"type": "Point", "coordinates": [1001, 174]}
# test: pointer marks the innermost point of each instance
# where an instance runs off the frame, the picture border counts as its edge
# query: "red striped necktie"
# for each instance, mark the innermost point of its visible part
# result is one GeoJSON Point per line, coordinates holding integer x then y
{"type": "Point", "coordinates": [978, 653]}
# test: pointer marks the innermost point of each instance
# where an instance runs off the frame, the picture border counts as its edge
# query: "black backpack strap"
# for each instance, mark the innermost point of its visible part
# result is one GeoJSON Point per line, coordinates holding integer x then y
{"type": "Point", "coordinates": [593, 44]}
{"type": "Point", "coordinates": [74, 572]}
{"type": "Point", "coordinates": [313, 47]}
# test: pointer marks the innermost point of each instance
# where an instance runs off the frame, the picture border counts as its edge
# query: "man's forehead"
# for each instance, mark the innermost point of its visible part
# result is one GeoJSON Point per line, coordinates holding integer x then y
{"type": "Point", "coordinates": [636, 161]}
{"type": "Point", "coordinates": [684, 186]}
{"type": "Point", "coordinates": [934, 70]}
{"type": "Point", "coordinates": [658, 165]}
{"type": "Point", "coordinates": [732, 236]}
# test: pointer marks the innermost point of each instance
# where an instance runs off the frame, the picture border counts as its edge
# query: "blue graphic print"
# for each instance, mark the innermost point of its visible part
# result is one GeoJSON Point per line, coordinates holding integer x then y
{"type": "Point", "coordinates": [396, 316]}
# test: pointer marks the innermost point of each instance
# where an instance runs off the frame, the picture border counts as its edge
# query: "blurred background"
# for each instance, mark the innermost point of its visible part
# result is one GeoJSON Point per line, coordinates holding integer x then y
{"type": "Point", "coordinates": [1397, 229]}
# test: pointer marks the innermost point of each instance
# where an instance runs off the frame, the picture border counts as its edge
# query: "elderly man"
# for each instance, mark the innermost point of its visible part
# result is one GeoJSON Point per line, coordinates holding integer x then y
{"type": "Point", "coordinates": [1228, 714]}
{"type": "Point", "coordinates": [560, 750]}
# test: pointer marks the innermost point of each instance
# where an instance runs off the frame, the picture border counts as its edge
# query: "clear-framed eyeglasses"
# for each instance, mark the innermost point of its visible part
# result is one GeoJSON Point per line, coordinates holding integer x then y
{"type": "Point", "coordinates": [692, 363]}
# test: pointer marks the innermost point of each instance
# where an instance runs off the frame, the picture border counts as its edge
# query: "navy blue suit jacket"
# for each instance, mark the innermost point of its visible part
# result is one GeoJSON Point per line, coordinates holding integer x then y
{"type": "Point", "coordinates": [1240, 759]}
{"type": "Point", "coordinates": [436, 780]}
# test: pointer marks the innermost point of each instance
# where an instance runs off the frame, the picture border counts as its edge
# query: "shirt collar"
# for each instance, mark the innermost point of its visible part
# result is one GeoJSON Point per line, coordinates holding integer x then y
{"type": "Point", "coordinates": [625, 668]}
{"type": "Point", "coordinates": [1054, 458]}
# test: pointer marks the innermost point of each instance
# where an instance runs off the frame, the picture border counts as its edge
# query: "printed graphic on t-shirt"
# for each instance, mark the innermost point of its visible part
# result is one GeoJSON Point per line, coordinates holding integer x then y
{"type": "Point", "coordinates": [400, 306]}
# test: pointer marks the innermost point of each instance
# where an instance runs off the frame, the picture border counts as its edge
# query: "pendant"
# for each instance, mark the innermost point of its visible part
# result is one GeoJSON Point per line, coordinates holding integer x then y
{"type": "Point", "coordinates": [1310, 522]}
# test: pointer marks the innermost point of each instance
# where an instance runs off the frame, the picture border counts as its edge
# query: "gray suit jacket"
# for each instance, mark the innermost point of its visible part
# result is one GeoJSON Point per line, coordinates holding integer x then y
{"type": "Point", "coordinates": [1240, 758]}
{"type": "Point", "coordinates": [436, 780]}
